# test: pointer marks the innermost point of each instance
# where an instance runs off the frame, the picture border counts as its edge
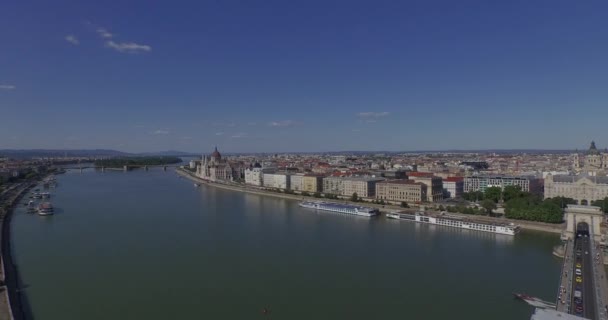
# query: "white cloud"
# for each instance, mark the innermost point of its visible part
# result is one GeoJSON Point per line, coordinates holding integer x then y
{"type": "Point", "coordinates": [251, 123]}
{"type": "Point", "coordinates": [7, 87]}
{"type": "Point", "coordinates": [283, 123]}
{"type": "Point", "coordinates": [72, 39]}
{"type": "Point", "coordinates": [239, 135]}
{"type": "Point", "coordinates": [219, 133]}
{"type": "Point", "coordinates": [159, 131]}
{"type": "Point", "coordinates": [372, 115]}
{"type": "Point", "coordinates": [104, 33]}
{"type": "Point", "coordinates": [127, 47]}
{"type": "Point", "coordinates": [186, 138]}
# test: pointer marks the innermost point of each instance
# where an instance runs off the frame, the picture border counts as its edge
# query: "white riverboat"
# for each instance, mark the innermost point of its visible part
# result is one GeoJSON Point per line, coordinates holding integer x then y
{"type": "Point", "coordinates": [45, 209]}
{"type": "Point", "coordinates": [340, 208]}
{"type": "Point", "coordinates": [457, 222]}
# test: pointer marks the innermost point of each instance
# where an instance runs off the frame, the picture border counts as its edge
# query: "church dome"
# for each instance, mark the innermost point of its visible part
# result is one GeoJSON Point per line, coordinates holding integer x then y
{"type": "Point", "coordinates": [593, 149]}
{"type": "Point", "coordinates": [216, 154]}
{"type": "Point", "coordinates": [257, 165]}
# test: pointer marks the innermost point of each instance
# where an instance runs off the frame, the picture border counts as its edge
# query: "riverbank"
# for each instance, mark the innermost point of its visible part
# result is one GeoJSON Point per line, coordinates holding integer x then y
{"type": "Point", "coordinates": [13, 304]}
{"type": "Point", "coordinates": [525, 225]}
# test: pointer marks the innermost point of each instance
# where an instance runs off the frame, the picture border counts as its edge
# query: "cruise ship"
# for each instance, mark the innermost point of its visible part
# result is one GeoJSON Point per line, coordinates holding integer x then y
{"type": "Point", "coordinates": [340, 208]}
{"type": "Point", "coordinates": [447, 220]}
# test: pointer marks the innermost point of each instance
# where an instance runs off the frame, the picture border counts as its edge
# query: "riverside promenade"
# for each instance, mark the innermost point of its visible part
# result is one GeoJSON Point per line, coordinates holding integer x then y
{"type": "Point", "coordinates": [526, 225]}
{"type": "Point", "coordinates": [11, 304]}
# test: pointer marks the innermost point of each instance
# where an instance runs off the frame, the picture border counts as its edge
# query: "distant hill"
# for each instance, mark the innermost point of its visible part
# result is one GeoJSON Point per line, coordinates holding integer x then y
{"type": "Point", "coordinates": [36, 153]}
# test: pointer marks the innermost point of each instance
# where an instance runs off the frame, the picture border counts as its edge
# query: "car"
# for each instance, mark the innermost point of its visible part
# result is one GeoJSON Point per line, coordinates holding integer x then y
{"type": "Point", "coordinates": [578, 264]}
{"type": "Point", "coordinates": [579, 308]}
{"type": "Point", "coordinates": [579, 279]}
{"type": "Point", "coordinates": [578, 272]}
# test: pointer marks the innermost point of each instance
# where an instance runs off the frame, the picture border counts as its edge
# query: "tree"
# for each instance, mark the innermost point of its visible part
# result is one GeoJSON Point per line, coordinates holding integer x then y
{"type": "Point", "coordinates": [317, 195]}
{"type": "Point", "coordinates": [404, 204]}
{"type": "Point", "coordinates": [602, 204]}
{"type": "Point", "coordinates": [306, 194]}
{"type": "Point", "coordinates": [354, 197]}
{"type": "Point", "coordinates": [493, 193]}
{"type": "Point", "coordinates": [489, 205]}
{"type": "Point", "coordinates": [441, 208]}
{"type": "Point", "coordinates": [511, 192]}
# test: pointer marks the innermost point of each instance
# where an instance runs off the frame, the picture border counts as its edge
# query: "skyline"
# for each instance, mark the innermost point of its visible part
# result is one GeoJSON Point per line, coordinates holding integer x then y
{"type": "Point", "coordinates": [303, 76]}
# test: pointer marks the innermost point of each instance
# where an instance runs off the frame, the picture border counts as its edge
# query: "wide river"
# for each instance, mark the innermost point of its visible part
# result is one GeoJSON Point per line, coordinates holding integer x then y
{"type": "Point", "coordinates": [149, 245]}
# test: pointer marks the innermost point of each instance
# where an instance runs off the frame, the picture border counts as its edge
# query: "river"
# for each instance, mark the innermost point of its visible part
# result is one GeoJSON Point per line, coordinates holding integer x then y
{"type": "Point", "coordinates": [149, 245]}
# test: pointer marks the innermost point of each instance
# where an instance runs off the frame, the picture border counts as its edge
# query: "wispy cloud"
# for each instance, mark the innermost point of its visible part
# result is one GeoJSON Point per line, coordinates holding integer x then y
{"type": "Point", "coordinates": [127, 47]}
{"type": "Point", "coordinates": [282, 123]}
{"type": "Point", "coordinates": [219, 133]}
{"type": "Point", "coordinates": [72, 39]}
{"type": "Point", "coordinates": [7, 87]}
{"type": "Point", "coordinates": [239, 135]}
{"type": "Point", "coordinates": [224, 124]}
{"type": "Point", "coordinates": [104, 33]}
{"type": "Point", "coordinates": [186, 138]}
{"type": "Point", "coordinates": [119, 46]}
{"type": "Point", "coordinates": [160, 131]}
{"type": "Point", "coordinates": [372, 115]}
{"type": "Point", "coordinates": [251, 123]}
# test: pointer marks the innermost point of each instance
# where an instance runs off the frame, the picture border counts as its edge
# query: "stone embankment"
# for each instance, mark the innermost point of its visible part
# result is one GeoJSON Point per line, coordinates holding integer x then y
{"type": "Point", "coordinates": [526, 225]}
{"type": "Point", "coordinates": [11, 306]}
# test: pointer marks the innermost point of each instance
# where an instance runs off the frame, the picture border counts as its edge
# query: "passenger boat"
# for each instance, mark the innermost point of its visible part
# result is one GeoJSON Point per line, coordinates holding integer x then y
{"type": "Point", "coordinates": [45, 195]}
{"type": "Point", "coordinates": [447, 220]}
{"type": "Point", "coordinates": [45, 209]}
{"type": "Point", "coordinates": [340, 208]}
{"type": "Point", "coordinates": [37, 195]}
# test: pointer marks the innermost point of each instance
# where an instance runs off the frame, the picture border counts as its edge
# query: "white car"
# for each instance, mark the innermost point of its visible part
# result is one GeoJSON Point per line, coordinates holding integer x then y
{"type": "Point", "coordinates": [578, 272]}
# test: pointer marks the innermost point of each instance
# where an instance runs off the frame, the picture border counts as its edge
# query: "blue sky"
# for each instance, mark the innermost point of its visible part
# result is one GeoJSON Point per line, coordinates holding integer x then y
{"type": "Point", "coordinates": [303, 75]}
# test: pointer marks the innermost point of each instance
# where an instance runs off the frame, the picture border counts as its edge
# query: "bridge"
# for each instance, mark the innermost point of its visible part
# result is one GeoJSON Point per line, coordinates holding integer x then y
{"type": "Point", "coordinates": [583, 288]}
{"type": "Point", "coordinates": [124, 168]}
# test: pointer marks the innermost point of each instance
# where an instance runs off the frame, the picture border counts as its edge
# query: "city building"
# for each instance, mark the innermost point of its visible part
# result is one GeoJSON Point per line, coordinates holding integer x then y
{"type": "Point", "coordinates": [255, 175]}
{"type": "Point", "coordinates": [297, 180]}
{"type": "Point", "coordinates": [214, 168]}
{"type": "Point", "coordinates": [277, 180]}
{"type": "Point", "coordinates": [364, 187]}
{"type": "Point", "coordinates": [397, 191]}
{"type": "Point", "coordinates": [582, 187]}
{"type": "Point", "coordinates": [482, 182]}
{"type": "Point", "coordinates": [593, 162]}
{"type": "Point", "coordinates": [333, 185]}
{"type": "Point", "coordinates": [312, 183]}
{"type": "Point", "coordinates": [434, 185]}
{"type": "Point", "coordinates": [453, 187]}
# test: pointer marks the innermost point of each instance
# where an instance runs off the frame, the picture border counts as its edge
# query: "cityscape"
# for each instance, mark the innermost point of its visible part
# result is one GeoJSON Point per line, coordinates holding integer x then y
{"type": "Point", "coordinates": [304, 160]}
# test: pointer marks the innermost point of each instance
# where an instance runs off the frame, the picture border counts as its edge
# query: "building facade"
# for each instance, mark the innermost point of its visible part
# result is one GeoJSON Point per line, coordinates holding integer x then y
{"type": "Point", "coordinates": [277, 180]}
{"type": "Point", "coordinates": [582, 188]}
{"type": "Point", "coordinates": [333, 185]}
{"type": "Point", "coordinates": [254, 176]}
{"type": "Point", "coordinates": [401, 191]}
{"type": "Point", "coordinates": [482, 182]}
{"type": "Point", "coordinates": [214, 168]}
{"type": "Point", "coordinates": [453, 187]}
{"type": "Point", "coordinates": [364, 187]}
{"type": "Point", "coordinates": [434, 186]}
{"type": "Point", "coordinates": [312, 183]}
{"type": "Point", "coordinates": [296, 183]}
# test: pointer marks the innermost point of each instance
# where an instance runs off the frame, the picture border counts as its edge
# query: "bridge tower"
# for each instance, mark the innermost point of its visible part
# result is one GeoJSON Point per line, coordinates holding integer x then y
{"type": "Point", "coordinates": [575, 214]}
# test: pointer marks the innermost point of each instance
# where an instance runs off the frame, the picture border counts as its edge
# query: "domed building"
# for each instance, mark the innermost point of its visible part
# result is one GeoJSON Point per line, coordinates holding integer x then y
{"type": "Point", "coordinates": [592, 163]}
{"type": "Point", "coordinates": [214, 168]}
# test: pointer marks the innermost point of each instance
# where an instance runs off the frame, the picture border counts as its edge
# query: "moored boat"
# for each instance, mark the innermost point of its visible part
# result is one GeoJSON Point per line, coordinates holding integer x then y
{"type": "Point", "coordinates": [45, 209]}
{"type": "Point", "coordinates": [340, 208]}
{"type": "Point", "coordinates": [448, 220]}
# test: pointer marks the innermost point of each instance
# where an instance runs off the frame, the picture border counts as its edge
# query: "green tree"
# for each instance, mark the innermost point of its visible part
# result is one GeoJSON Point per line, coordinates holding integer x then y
{"type": "Point", "coordinates": [317, 195]}
{"type": "Point", "coordinates": [354, 197]}
{"type": "Point", "coordinates": [511, 192]}
{"type": "Point", "coordinates": [602, 204]}
{"type": "Point", "coordinates": [306, 194]}
{"type": "Point", "coordinates": [404, 204]}
{"type": "Point", "coordinates": [441, 208]}
{"type": "Point", "coordinates": [489, 205]}
{"type": "Point", "coordinates": [493, 193]}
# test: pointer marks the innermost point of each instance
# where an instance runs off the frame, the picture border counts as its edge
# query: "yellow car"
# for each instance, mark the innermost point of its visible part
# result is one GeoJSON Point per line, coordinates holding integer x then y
{"type": "Point", "coordinates": [579, 279]}
{"type": "Point", "coordinates": [578, 264]}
